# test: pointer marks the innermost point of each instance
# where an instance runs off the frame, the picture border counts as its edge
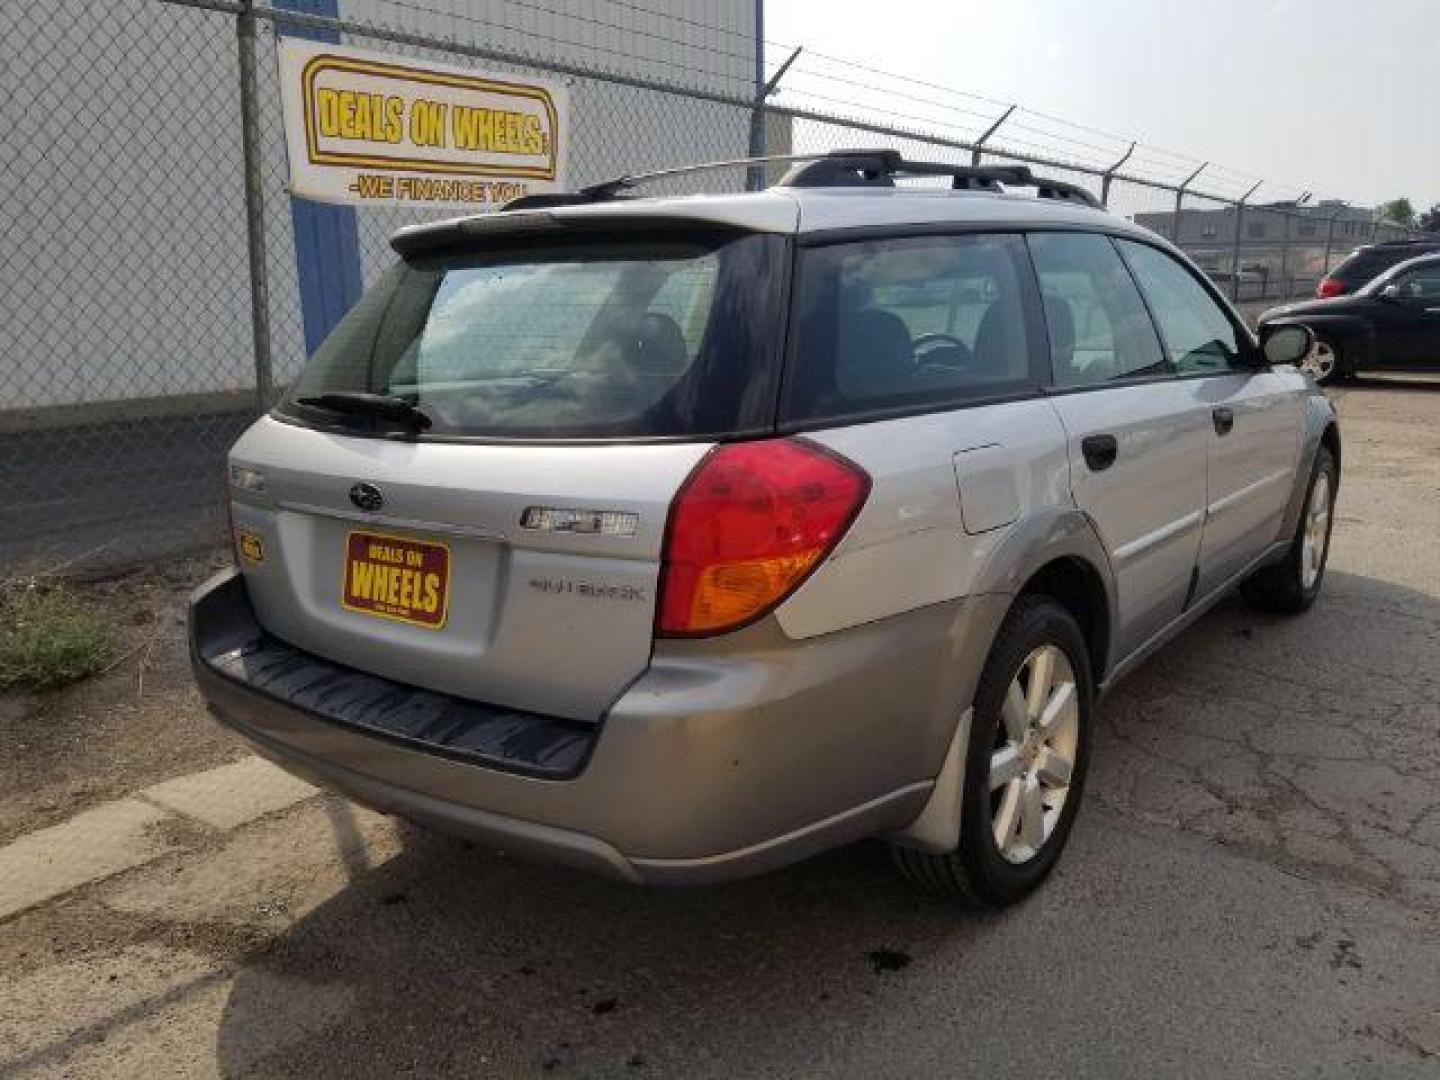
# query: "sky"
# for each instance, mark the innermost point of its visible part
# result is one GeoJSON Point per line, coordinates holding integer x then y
{"type": "Point", "coordinates": [1341, 97]}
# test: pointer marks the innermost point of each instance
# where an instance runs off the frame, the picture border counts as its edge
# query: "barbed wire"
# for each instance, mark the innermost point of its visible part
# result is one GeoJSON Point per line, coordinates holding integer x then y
{"type": "Point", "coordinates": [800, 71]}
{"type": "Point", "coordinates": [1159, 162]}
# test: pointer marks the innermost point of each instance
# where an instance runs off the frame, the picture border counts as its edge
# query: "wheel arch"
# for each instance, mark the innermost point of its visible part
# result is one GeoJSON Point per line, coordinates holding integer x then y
{"type": "Point", "coordinates": [1330, 440]}
{"type": "Point", "coordinates": [1076, 581]}
{"type": "Point", "coordinates": [1059, 552]}
{"type": "Point", "coordinates": [1321, 427]}
{"type": "Point", "coordinates": [1351, 337]}
{"type": "Point", "coordinates": [1077, 586]}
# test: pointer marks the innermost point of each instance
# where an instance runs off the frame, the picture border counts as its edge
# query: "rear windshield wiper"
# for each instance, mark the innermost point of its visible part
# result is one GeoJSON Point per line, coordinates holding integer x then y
{"type": "Point", "coordinates": [379, 406]}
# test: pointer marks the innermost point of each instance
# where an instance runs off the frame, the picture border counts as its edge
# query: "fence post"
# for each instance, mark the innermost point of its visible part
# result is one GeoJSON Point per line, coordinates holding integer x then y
{"type": "Point", "coordinates": [1285, 257]}
{"type": "Point", "coordinates": [980, 142]}
{"type": "Point", "coordinates": [1287, 283]}
{"type": "Point", "coordinates": [254, 206]}
{"type": "Point", "coordinates": [1235, 251]}
{"type": "Point", "coordinates": [1110, 175]}
{"type": "Point", "coordinates": [1330, 241]}
{"type": "Point", "coordinates": [756, 178]}
{"type": "Point", "coordinates": [1180, 197]}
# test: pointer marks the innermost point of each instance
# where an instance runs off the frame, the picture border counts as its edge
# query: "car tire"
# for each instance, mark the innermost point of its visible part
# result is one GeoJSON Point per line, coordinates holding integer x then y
{"type": "Point", "coordinates": [1038, 639]}
{"type": "Point", "coordinates": [1291, 585]}
{"type": "Point", "coordinates": [1325, 362]}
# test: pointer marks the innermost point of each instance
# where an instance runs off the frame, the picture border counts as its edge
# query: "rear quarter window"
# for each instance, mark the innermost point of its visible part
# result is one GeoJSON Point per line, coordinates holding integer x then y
{"type": "Point", "coordinates": [908, 324]}
{"type": "Point", "coordinates": [1362, 268]}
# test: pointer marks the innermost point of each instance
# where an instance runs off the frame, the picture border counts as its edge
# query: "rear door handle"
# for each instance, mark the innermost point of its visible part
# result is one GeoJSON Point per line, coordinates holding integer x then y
{"type": "Point", "coordinates": [1224, 419]}
{"type": "Point", "coordinates": [1099, 451]}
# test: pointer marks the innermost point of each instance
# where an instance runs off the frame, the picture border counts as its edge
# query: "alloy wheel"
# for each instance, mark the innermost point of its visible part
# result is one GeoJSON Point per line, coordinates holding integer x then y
{"type": "Point", "coordinates": [1319, 362]}
{"type": "Point", "coordinates": [1034, 753]}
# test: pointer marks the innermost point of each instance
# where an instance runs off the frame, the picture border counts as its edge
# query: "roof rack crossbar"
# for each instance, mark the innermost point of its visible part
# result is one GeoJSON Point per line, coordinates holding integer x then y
{"type": "Point", "coordinates": [881, 168]}
{"type": "Point", "coordinates": [836, 168]}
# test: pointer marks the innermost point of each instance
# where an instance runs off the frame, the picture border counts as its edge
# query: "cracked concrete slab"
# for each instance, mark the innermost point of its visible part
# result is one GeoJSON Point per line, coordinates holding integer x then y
{"type": "Point", "coordinates": [89, 847]}
{"type": "Point", "coordinates": [231, 795]}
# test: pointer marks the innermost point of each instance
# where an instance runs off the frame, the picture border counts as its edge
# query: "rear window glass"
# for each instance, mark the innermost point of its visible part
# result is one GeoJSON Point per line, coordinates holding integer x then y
{"type": "Point", "coordinates": [907, 322]}
{"type": "Point", "coordinates": [582, 339]}
{"type": "Point", "coordinates": [1360, 268]}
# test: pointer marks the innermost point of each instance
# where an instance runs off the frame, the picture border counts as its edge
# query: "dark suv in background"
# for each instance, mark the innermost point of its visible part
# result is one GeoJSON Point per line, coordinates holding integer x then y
{"type": "Point", "coordinates": [1366, 263]}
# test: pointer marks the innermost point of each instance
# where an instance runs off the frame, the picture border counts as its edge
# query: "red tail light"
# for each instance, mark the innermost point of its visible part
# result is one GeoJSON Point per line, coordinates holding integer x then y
{"type": "Point", "coordinates": [1330, 287]}
{"type": "Point", "coordinates": [748, 526]}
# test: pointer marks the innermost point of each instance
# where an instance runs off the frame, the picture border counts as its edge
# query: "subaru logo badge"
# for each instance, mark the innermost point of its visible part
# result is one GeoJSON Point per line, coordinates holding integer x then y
{"type": "Point", "coordinates": [367, 496]}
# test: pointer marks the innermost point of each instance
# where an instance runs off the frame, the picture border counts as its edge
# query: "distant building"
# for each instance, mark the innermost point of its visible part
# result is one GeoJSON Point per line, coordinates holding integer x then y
{"type": "Point", "coordinates": [1280, 239]}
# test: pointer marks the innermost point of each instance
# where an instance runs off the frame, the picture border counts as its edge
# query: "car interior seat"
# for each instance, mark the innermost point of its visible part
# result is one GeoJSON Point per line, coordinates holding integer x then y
{"type": "Point", "coordinates": [999, 353]}
{"type": "Point", "coordinates": [1060, 320]}
{"type": "Point", "coordinates": [874, 355]}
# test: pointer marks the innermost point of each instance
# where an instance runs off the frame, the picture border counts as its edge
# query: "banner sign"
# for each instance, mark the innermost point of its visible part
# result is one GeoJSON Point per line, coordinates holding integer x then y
{"type": "Point", "coordinates": [374, 129]}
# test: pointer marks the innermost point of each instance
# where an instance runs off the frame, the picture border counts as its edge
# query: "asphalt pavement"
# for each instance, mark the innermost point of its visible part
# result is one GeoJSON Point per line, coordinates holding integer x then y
{"type": "Point", "coordinates": [1253, 889]}
{"type": "Point", "coordinates": [114, 493]}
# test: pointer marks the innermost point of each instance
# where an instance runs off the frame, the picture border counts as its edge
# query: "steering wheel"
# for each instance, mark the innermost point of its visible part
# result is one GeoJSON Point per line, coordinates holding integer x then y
{"type": "Point", "coordinates": [925, 341]}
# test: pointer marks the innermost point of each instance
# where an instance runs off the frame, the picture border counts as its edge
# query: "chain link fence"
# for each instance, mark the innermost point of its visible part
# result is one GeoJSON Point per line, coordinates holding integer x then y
{"type": "Point", "coordinates": [150, 293]}
{"type": "Point", "coordinates": [115, 413]}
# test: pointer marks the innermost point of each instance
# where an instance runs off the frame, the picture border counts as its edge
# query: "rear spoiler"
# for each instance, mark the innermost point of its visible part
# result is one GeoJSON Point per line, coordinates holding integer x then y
{"type": "Point", "coordinates": [456, 233]}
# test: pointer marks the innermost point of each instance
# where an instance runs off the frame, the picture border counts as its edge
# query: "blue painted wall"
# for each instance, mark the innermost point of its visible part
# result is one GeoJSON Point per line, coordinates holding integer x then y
{"type": "Point", "coordinates": [327, 242]}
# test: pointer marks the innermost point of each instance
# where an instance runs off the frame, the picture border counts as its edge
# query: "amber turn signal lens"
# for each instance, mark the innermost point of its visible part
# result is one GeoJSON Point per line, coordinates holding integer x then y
{"type": "Point", "coordinates": [747, 527]}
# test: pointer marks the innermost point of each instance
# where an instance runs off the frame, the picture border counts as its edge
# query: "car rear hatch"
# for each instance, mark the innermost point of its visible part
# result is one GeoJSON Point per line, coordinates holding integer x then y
{"type": "Point", "coordinates": [467, 488]}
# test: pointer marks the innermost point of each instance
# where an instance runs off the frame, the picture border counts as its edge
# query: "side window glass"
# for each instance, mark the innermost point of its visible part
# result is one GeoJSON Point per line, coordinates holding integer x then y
{"type": "Point", "coordinates": [1099, 328]}
{"type": "Point", "coordinates": [1422, 283]}
{"type": "Point", "coordinates": [906, 322]}
{"type": "Point", "coordinates": [1197, 333]}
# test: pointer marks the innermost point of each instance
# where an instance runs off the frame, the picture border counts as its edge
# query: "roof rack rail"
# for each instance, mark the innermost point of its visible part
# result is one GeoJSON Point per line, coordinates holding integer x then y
{"type": "Point", "coordinates": [836, 168]}
{"type": "Point", "coordinates": [616, 188]}
{"type": "Point", "coordinates": [881, 168]}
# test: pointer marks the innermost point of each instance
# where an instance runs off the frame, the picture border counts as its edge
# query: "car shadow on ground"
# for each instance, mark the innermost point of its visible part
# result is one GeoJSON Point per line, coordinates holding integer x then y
{"type": "Point", "coordinates": [451, 956]}
{"type": "Point", "coordinates": [448, 955]}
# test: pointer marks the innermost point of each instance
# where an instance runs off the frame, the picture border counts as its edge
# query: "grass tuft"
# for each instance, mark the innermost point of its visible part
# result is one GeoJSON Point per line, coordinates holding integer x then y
{"type": "Point", "coordinates": [49, 637]}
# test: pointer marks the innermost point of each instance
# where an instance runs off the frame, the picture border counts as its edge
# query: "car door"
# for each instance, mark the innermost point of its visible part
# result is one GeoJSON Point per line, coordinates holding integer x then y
{"type": "Point", "coordinates": [1254, 413]}
{"type": "Point", "coordinates": [1137, 436]}
{"type": "Point", "coordinates": [1408, 320]}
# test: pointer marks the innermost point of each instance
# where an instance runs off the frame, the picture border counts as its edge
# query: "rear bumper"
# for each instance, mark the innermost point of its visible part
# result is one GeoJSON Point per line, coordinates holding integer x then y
{"type": "Point", "coordinates": [724, 759]}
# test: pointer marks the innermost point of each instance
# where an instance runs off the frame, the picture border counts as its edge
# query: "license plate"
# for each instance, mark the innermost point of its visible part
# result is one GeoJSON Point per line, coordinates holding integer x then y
{"type": "Point", "coordinates": [394, 577]}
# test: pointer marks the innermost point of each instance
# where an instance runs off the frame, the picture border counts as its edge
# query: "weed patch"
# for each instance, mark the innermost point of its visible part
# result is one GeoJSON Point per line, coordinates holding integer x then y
{"type": "Point", "coordinates": [49, 637]}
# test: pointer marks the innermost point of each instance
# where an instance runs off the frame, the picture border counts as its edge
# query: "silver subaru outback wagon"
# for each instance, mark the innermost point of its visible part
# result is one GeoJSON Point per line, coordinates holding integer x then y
{"type": "Point", "coordinates": [682, 538]}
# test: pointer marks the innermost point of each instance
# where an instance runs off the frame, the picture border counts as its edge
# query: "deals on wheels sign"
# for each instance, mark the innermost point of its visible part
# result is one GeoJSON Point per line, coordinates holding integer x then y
{"type": "Point", "coordinates": [374, 129]}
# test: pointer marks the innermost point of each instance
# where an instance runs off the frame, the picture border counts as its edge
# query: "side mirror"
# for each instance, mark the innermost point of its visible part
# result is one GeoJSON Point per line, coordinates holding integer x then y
{"type": "Point", "coordinates": [1391, 292]}
{"type": "Point", "coordinates": [1287, 344]}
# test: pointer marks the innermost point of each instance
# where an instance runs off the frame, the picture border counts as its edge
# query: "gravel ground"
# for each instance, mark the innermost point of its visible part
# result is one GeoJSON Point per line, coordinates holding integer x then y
{"type": "Point", "coordinates": [1253, 888]}
{"type": "Point", "coordinates": [139, 722]}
